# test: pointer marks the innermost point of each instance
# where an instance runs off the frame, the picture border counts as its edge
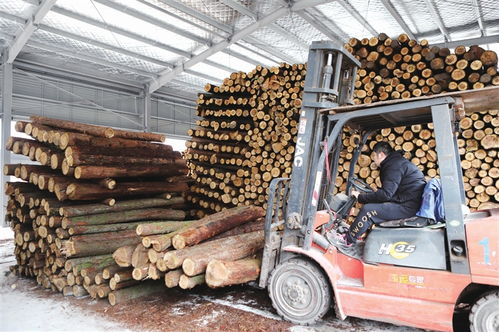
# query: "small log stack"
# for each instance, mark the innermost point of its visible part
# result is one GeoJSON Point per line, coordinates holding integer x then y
{"type": "Point", "coordinates": [94, 186]}
{"type": "Point", "coordinates": [179, 253]}
{"type": "Point", "coordinates": [405, 68]}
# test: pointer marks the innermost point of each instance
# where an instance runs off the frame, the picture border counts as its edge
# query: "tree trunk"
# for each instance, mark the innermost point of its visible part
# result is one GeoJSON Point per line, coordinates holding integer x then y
{"type": "Point", "coordinates": [98, 244]}
{"type": "Point", "coordinates": [79, 230]}
{"type": "Point", "coordinates": [99, 172]}
{"type": "Point", "coordinates": [247, 245]}
{"type": "Point", "coordinates": [173, 277]}
{"type": "Point", "coordinates": [130, 293]}
{"type": "Point", "coordinates": [83, 210]}
{"type": "Point", "coordinates": [123, 255]}
{"type": "Point", "coordinates": [225, 273]}
{"type": "Point", "coordinates": [216, 224]}
{"type": "Point", "coordinates": [81, 191]}
{"type": "Point", "coordinates": [140, 257]}
{"type": "Point", "coordinates": [186, 282]}
{"type": "Point", "coordinates": [89, 261]}
{"type": "Point", "coordinates": [175, 258]}
{"type": "Point", "coordinates": [74, 126]}
{"type": "Point", "coordinates": [164, 227]}
{"type": "Point", "coordinates": [123, 216]}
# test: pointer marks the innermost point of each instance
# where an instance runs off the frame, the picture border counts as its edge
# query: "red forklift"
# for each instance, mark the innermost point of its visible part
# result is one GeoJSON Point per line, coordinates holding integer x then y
{"type": "Point", "coordinates": [419, 276]}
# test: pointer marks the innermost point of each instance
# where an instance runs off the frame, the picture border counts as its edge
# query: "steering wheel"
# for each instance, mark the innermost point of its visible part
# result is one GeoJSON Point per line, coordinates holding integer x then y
{"type": "Point", "coordinates": [360, 185]}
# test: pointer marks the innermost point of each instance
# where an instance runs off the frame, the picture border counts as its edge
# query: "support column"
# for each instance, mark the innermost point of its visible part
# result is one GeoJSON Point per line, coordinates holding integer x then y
{"type": "Point", "coordinates": [147, 110]}
{"type": "Point", "coordinates": [7, 83]}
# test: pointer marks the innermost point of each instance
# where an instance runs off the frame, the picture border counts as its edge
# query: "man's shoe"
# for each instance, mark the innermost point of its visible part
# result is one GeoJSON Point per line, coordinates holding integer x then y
{"type": "Point", "coordinates": [336, 238]}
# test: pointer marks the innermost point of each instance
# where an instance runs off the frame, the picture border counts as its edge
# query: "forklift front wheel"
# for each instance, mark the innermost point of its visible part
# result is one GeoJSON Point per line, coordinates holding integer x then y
{"type": "Point", "coordinates": [484, 314]}
{"type": "Point", "coordinates": [300, 292]}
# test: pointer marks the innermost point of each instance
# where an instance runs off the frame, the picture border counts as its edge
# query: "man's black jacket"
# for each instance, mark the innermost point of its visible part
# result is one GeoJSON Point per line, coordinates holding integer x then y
{"type": "Point", "coordinates": [402, 182]}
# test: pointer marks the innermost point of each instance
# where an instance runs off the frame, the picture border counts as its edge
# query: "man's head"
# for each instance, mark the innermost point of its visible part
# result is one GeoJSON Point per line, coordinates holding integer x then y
{"type": "Point", "coordinates": [381, 151]}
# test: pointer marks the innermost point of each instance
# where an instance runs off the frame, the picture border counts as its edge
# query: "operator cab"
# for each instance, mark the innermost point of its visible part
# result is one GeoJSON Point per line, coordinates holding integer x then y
{"type": "Point", "coordinates": [411, 242]}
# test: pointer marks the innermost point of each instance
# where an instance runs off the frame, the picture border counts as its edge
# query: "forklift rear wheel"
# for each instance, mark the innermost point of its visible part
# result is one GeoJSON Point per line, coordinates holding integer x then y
{"type": "Point", "coordinates": [484, 314]}
{"type": "Point", "coordinates": [299, 291]}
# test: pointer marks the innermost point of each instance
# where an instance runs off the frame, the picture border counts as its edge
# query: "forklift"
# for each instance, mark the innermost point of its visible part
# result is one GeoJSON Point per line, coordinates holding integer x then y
{"type": "Point", "coordinates": [421, 276]}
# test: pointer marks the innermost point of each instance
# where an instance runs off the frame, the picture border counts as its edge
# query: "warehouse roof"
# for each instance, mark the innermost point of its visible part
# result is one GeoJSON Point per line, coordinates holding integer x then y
{"type": "Point", "coordinates": [183, 44]}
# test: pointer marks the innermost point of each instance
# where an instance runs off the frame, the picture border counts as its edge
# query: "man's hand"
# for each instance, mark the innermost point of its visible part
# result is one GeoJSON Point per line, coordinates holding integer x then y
{"type": "Point", "coordinates": [355, 193]}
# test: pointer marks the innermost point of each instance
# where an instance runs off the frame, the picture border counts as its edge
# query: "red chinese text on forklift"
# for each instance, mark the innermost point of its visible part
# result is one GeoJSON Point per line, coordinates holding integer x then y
{"type": "Point", "coordinates": [415, 276]}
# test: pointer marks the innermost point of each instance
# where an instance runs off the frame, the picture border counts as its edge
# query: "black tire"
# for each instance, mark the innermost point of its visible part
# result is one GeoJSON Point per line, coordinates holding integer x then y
{"type": "Point", "coordinates": [300, 292]}
{"type": "Point", "coordinates": [484, 315]}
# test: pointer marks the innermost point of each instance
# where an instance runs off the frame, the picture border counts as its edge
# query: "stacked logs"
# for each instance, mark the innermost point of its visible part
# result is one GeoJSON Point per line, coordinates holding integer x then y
{"type": "Point", "coordinates": [246, 136]}
{"type": "Point", "coordinates": [405, 68]}
{"type": "Point", "coordinates": [478, 145]}
{"type": "Point", "coordinates": [182, 252]}
{"type": "Point", "coordinates": [72, 212]}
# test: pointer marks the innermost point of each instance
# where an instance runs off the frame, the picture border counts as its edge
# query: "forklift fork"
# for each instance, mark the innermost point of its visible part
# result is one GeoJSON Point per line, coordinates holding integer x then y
{"type": "Point", "coordinates": [274, 220]}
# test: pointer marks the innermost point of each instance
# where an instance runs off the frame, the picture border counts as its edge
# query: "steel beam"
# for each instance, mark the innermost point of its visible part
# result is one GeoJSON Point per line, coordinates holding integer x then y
{"type": "Point", "coordinates": [147, 110]}
{"type": "Point", "coordinates": [89, 58]}
{"type": "Point", "coordinates": [478, 10]}
{"type": "Point", "coordinates": [350, 9]}
{"type": "Point", "coordinates": [395, 14]}
{"type": "Point", "coordinates": [493, 39]}
{"type": "Point", "coordinates": [7, 83]}
{"type": "Point", "coordinates": [275, 27]}
{"type": "Point", "coordinates": [282, 11]}
{"type": "Point", "coordinates": [26, 32]}
{"type": "Point", "coordinates": [438, 19]}
{"type": "Point", "coordinates": [317, 24]}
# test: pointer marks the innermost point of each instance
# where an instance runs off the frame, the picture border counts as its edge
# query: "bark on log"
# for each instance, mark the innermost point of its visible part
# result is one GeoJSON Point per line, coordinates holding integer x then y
{"type": "Point", "coordinates": [163, 227]}
{"type": "Point", "coordinates": [225, 273]}
{"type": "Point", "coordinates": [100, 172]}
{"type": "Point", "coordinates": [216, 224]}
{"type": "Point", "coordinates": [186, 282]}
{"type": "Point", "coordinates": [74, 126]}
{"type": "Point", "coordinates": [79, 191]}
{"type": "Point", "coordinates": [82, 210]}
{"type": "Point", "coordinates": [98, 244]}
{"type": "Point", "coordinates": [248, 245]}
{"type": "Point", "coordinates": [130, 293]}
{"type": "Point", "coordinates": [123, 216]}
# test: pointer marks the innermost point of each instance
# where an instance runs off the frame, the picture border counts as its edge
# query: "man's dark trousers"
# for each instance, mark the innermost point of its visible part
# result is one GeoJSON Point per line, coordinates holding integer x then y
{"type": "Point", "coordinates": [377, 213]}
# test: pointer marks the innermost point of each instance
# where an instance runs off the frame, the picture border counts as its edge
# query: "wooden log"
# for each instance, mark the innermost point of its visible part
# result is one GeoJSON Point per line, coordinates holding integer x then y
{"type": "Point", "coordinates": [249, 244]}
{"type": "Point", "coordinates": [115, 285]}
{"type": "Point", "coordinates": [123, 216]}
{"type": "Point", "coordinates": [172, 278]}
{"type": "Point", "coordinates": [98, 244]}
{"type": "Point", "coordinates": [79, 230]}
{"type": "Point", "coordinates": [123, 255]}
{"type": "Point", "coordinates": [141, 136]}
{"type": "Point", "coordinates": [74, 126]}
{"type": "Point", "coordinates": [130, 293]}
{"type": "Point", "coordinates": [99, 172]}
{"type": "Point", "coordinates": [186, 282]}
{"type": "Point", "coordinates": [84, 191]}
{"type": "Point", "coordinates": [86, 261]}
{"type": "Point", "coordinates": [81, 210]}
{"type": "Point", "coordinates": [139, 256]}
{"type": "Point", "coordinates": [216, 224]}
{"type": "Point", "coordinates": [225, 273]}
{"type": "Point", "coordinates": [169, 160]}
{"type": "Point", "coordinates": [163, 227]}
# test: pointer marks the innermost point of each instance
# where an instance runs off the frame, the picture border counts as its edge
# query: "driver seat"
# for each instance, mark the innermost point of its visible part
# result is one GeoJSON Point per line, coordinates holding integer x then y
{"type": "Point", "coordinates": [430, 213]}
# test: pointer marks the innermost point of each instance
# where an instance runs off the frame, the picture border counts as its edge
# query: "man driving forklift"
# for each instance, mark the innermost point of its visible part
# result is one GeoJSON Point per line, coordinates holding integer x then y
{"type": "Point", "coordinates": [400, 195]}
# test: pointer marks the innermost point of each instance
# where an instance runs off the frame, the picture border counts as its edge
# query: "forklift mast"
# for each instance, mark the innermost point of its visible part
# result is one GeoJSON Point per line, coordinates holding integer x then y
{"type": "Point", "coordinates": [329, 83]}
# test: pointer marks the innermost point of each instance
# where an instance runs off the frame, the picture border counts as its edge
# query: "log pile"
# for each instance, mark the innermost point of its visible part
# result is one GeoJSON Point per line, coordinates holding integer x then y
{"type": "Point", "coordinates": [94, 186]}
{"type": "Point", "coordinates": [246, 136]}
{"type": "Point", "coordinates": [180, 253]}
{"type": "Point", "coordinates": [404, 68]}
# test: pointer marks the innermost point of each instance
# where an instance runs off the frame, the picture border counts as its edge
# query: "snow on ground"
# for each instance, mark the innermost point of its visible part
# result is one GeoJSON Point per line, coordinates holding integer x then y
{"type": "Point", "coordinates": [23, 309]}
{"type": "Point", "coordinates": [6, 233]}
